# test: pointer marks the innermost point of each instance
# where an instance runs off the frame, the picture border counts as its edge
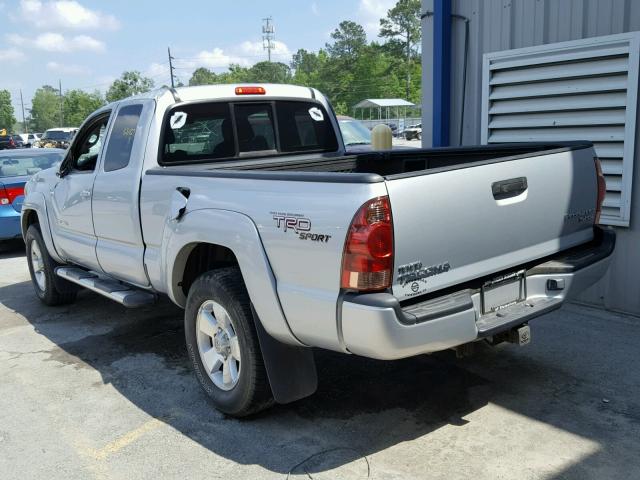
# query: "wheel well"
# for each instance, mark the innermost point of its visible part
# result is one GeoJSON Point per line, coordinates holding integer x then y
{"type": "Point", "coordinates": [203, 258]}
{"type": "Point", "coordinates": [29, 217]}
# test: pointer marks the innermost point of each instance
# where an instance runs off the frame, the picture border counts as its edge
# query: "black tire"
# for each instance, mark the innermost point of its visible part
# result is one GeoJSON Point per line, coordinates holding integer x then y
{"type": "Point", "coordinates": [52, 293]}
{"type": "Point", "coordinates": [252, 392]}
{"type": "Point", "coordinates": [419, 136]}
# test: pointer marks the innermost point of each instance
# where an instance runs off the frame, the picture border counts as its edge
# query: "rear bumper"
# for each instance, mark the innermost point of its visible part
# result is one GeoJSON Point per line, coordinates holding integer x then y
{"type": "Point", "coordinates": [378, 326]}
{"type": "Point", "coordinates": [9, 223]}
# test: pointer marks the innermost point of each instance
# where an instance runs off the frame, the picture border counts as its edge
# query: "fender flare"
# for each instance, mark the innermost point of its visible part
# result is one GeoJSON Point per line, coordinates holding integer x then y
{"type": "Point", "coordinates": [238, 233]}
{"type": "Point", "coordinates": [36, 202]}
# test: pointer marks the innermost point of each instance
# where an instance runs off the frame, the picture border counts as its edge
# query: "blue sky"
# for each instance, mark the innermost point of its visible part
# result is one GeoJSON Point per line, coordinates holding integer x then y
{"type": "Point", "coordinates": [88, 43]}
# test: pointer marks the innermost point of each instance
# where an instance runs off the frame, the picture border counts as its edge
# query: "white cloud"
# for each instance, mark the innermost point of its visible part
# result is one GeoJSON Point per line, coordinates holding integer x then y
{"type": "Point", "coordinates": [256, 49]}
{"type": "Point", "coordinates": [67, 14]}
{"type": "Point", "coordinates": [68, 69]}
{"type": "Point", "coordinates": [371, 11]}
{"type": "Point", "coordinates": [245, 54]}
{"type": "Point", "coordinates": [314, 9]}
{"type": "Point", "coordinates": [11, 55]}
{"type": "Point", "coordinates": [55, 42]}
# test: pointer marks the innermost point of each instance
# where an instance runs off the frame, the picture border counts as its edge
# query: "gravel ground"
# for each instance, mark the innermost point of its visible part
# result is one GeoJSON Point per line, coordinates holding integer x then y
{"type": "Point", "coordinates": [93, 390]}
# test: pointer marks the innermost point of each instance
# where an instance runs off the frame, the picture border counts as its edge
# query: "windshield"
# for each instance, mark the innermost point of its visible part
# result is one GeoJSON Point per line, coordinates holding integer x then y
{"type": "Point", "coordinates": [20, 165]}
{"type": "Point", "coordinates": [354, 132]}
{"type": "Point", "coordinates": [57, 135]}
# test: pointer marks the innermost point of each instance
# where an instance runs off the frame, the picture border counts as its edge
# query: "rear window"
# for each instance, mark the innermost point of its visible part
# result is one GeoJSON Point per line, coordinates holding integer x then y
{"type": "Point", "coordinates": [20, 165]}
{"type": "Point", "coordinates": [218, 131]}
{"type": "Point", "coordinates": [57, 135]}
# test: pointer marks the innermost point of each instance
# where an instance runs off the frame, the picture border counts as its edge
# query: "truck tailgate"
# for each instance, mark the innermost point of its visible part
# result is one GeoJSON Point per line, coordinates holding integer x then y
{"type": "Point", "coordinates": [459, 224]}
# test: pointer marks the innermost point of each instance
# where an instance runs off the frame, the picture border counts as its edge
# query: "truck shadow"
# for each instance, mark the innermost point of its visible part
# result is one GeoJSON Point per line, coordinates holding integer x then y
{"type": "Point", "coordinates": [362, 406]}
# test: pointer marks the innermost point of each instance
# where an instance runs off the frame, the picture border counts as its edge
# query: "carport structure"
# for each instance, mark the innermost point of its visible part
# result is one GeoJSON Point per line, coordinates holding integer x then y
{"type": "Point", "coordinates": [381, 105]}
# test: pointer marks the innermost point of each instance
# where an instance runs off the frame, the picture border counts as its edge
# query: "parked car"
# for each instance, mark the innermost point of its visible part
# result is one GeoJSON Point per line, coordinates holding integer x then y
{"type": "Point", "coordinates": [57, 138]}
{"type": "Point", "coordinates": [393, 127]}
{"type": "Point", "coordinates": [355, 134]}
{"type": "Point", "coordinates": [274, 239]}
{"type": "Point", "coordinates": [413, 131]}
{"type": "Point", "coordinates": [16, 166]}
{"type": "Point", "coordinates": [7, 142]}
{"type": "Point", "coordinates": [17, 139]}
{"type": "Point", "coordinates": [28, 139]}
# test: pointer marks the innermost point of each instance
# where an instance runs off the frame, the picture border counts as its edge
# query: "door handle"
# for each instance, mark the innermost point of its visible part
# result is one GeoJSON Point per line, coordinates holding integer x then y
{"type": "Point", "coordinates": [85, 193]}
{"type": "Point", "coordinates": [509, 188]}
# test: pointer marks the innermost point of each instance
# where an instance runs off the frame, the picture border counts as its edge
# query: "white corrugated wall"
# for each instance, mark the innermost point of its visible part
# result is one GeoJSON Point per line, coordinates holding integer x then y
{"type": "Point", "coordinates": [497, 25]}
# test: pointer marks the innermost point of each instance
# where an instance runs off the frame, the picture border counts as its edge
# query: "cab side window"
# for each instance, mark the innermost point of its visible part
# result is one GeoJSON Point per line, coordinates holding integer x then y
{"type": "Point", "coordinates": [122, 136]}
{"type": "Point", "coordinates": [86, 152]}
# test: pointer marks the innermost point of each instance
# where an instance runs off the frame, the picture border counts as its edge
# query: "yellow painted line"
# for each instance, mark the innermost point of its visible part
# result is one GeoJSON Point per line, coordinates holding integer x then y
{"type": "Point", "coordinates": [127, 439]}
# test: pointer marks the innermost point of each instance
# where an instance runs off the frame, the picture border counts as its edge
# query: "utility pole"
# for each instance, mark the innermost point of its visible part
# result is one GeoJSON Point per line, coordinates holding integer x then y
{"type": "Point", "coordinates": [24, 120]}
{"type": "Point", "coordinates": [268, 35]}
{"type": "Point", "coordinates": [171, 68]}
{"type": "Point", "coordinates": [61, 103]}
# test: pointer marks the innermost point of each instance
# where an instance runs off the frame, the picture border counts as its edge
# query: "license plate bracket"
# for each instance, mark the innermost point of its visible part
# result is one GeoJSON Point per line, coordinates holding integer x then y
{"type": "Point", "coordinates": [503, 291]}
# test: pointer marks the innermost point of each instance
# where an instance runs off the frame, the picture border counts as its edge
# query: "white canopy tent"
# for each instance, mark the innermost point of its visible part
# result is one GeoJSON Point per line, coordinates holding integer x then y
{"type": "Point", "coordinates": [373, 104]}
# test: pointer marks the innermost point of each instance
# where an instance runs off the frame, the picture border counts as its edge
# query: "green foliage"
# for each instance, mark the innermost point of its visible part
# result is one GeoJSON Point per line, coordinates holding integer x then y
{"type": "Point", "coordinates": [45, 109]}
{"type": "Point", "coordinates": [261, 72]}
{"type": "Point", "coordinates": [349, 39]}
{"type": "Point", "coordinates": [348, 69]}
{"type": "Point", "coordinates": [403, 21]}
{"type": "Point", "coordinates": [401, 28]}
{"type": "Point", "coordinates": [129, 83]}
{"type": "Point", "coordinates": [7, 118]}
{"type": "Point", "coordinates": [78, 105]}
{"type": "Point", "coordinates": [269, 72]}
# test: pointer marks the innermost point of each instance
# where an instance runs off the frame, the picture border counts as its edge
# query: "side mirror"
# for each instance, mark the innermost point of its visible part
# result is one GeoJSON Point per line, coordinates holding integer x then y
{"type": "Point", "coordinates": [63, 169]}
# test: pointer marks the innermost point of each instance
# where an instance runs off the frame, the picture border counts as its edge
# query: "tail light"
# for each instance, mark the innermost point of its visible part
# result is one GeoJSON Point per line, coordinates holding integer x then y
{"type": "Point", "coordinates": [602, 189]}
{"type": "Point", "coordinates": [9, 194]}
{"type": "Point", "coordinates": [367, 260]}
{"type": "Point", "coordinates": [12, 143]}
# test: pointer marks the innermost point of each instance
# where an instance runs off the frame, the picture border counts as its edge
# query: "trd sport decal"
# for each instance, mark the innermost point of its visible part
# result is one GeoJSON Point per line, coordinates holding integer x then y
{"type": "Point", "coordinates": [300, 225]}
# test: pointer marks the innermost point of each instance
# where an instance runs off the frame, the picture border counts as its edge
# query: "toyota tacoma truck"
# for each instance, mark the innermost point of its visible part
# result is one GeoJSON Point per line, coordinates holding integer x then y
{"type": "Point", "coordinates": [240, 204]}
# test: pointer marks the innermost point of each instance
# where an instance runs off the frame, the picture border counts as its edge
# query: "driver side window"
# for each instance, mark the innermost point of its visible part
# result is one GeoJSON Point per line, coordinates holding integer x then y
{"type": "Point", "coordinates": [86, 152]}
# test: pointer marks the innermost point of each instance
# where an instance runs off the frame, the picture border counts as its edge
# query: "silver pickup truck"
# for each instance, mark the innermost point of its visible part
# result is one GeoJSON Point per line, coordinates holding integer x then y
{"type": "Point", "coordinates": [240, 203]}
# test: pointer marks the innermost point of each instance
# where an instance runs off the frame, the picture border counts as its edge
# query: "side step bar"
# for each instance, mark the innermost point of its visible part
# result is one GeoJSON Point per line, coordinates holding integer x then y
{"type": "Point", "coordinates": [122, 293]}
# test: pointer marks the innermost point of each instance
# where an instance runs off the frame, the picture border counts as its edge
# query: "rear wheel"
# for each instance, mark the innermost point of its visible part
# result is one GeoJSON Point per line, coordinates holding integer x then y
{"type": "Point", "coordinates": [223, 345]}
{"type": "Point", "coordinates": [42, 269]}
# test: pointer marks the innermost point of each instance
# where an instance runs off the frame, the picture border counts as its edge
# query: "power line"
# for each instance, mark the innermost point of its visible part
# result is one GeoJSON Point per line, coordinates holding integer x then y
{"type": "Point", "coordinates": [268, 35]}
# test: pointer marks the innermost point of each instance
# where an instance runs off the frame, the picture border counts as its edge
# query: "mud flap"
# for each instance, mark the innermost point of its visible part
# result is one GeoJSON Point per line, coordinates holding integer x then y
{"type": "Point", "coordinates": [291, 370]}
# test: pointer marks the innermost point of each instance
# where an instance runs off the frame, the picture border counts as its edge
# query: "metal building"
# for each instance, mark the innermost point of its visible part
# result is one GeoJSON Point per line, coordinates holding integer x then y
{"type": "Point", "coordinates": [529, 70]}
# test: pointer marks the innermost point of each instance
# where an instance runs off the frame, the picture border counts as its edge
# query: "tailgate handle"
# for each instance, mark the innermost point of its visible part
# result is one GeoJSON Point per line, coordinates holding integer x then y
{"type": "Point", "coordinates": [509, 188]}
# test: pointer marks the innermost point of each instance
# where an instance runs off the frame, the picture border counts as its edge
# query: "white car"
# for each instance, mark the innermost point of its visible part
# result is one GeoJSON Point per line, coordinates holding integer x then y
{"type": "Point", "coordinates": [413, 131]}
{"type": "Point", "coordinates": [57, 137]}
{"type": "Point", "coordinates": [29, 139]}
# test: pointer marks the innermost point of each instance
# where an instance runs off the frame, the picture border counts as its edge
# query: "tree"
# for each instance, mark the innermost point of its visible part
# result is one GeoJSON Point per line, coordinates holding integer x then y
{"type": "Point", "coordinates": [403, 22]}
{"type": "Point", "coordinates": [7, 118]}
{"type": "Point", "coordinates": [348, 40]}
{"type": "Point", "coordinates": [45, 109]}
{"type": "Point", "coordinates": [269, 72]}
{"type": "Point", "coordinates": [78, 105]}
{"type": "Point", "coordinates": [202, 76]}
{"type": "Point", "coordinates": [129, 83]}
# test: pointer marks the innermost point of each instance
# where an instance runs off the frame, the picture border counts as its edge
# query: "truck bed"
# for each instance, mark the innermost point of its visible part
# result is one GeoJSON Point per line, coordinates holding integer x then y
{"type": "Point", "coordinates": [405, 162]}
{"type": "Point", "coordinates": [458, 213]}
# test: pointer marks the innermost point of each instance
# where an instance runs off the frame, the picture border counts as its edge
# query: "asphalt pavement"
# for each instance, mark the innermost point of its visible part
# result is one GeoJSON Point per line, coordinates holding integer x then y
{"type": "Point", "coordinates": [95, 391]}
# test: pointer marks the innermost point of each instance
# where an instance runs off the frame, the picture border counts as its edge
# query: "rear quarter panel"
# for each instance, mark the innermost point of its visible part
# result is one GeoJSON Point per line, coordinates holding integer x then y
{"type": "Point", "coordinates": [306, 269]}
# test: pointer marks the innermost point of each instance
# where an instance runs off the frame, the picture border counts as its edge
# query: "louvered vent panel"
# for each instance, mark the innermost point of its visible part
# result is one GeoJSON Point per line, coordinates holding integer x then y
{"type": "Point", "coordinates": [580, 90]}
